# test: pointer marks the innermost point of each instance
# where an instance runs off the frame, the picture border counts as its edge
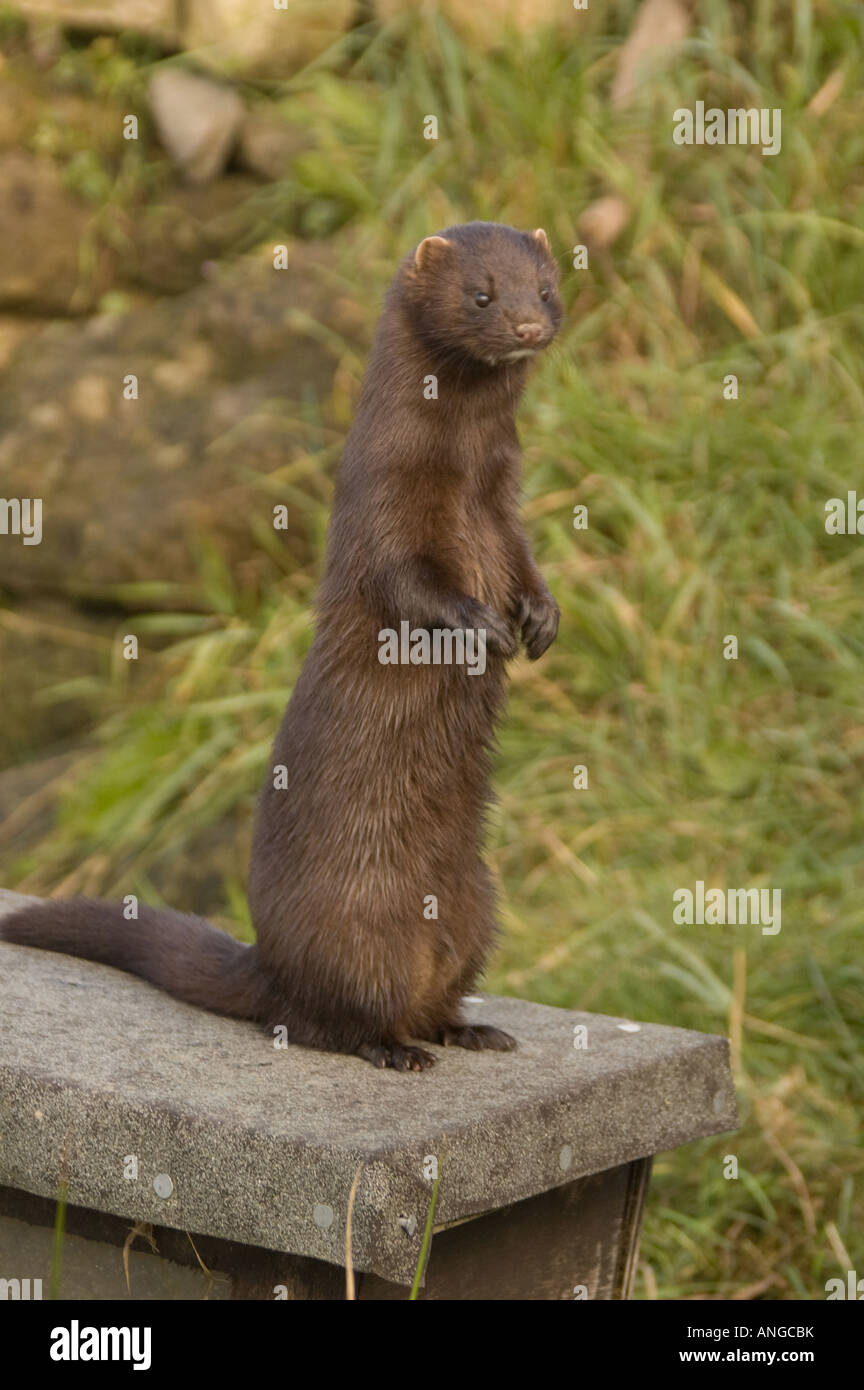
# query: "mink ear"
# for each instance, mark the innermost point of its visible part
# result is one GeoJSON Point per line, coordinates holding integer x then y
{"type": "Point", "coordinates": [539, 235]}
{"type": "Point", "coordinates": [431, 249]}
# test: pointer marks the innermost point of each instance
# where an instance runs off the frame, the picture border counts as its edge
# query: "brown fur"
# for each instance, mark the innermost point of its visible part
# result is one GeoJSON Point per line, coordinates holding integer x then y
{"type": "Point", "coordinates": [387, 766]}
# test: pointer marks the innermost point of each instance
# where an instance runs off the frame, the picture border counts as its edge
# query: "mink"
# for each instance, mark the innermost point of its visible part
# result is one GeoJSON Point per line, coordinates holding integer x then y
{"type": "Point", "coordinates": [374, 912]}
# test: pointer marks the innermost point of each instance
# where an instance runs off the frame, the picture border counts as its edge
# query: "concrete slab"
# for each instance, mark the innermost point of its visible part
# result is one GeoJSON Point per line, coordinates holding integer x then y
{"type": "Point", "coordinates": [238, 1139]}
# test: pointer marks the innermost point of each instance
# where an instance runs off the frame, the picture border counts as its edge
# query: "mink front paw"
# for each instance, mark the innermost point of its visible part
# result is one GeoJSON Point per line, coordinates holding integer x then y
{"type": "Point", "coordinates": [499, 635]}
{"type": "Point", "coordinates": [538, 620]}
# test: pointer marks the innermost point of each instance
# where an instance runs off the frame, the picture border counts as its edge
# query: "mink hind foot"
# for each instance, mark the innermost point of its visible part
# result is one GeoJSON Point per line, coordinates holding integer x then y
{"type": "Point", "coordinates": [399, 1056]}
{"type": "Point", "coordinates": [479, 1037]}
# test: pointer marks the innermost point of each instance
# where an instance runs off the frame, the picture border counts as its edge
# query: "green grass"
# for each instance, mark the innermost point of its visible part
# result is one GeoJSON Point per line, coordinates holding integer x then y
{"type": "Point", "coordinates": [57, 1248]}
{"type": "Point", "coordinates": [425, 1248]}
{"type": "Point", "coordinates": [706, 518]}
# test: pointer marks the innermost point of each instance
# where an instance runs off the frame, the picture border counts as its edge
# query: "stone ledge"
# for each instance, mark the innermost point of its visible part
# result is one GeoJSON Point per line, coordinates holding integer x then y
{"type": "Point", "coordinates": [261, 1145]}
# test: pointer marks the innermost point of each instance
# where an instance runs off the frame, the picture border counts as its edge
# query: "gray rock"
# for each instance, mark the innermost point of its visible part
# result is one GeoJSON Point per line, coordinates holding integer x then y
{"type": "Point", "coordinates": [237, 37]}
{"type": "Point", "coordinates": [246, 38]}
{"type": "Point", "coordinates": [41, 228]}
{"type": "Point", "coordinates": [217, 370]}
{"type": "Point", "coordinates": [260, 1142]}
{"type": "Point", "coordinates": [198, 121]}
{"type": "Point", "coordinates": [166, 243]}
{"type": "Point", "coordinates": [158, 18]}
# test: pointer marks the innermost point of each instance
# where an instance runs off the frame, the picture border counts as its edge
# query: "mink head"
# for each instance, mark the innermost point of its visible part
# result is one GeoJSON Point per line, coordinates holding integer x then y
{"type": "Point", "coordinates": [484, 292]}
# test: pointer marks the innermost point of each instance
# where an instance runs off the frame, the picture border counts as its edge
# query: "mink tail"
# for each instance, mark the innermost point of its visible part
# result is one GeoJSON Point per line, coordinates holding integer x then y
{"type": "Point", "coordinates": [184, 955]}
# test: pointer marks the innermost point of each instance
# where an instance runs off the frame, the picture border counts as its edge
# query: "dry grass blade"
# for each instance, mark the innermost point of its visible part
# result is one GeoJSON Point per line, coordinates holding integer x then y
{"type": "Point", "coordinates": [144, 1229]}
{"type": "Point", "coordinates": [350, 1293]}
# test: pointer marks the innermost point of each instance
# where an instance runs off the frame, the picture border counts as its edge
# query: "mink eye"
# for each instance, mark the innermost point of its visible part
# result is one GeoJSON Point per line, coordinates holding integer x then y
{"type": "Point", "coordinates": [481, 299]}
{"type": "Point", "coordinates": [545, 293]}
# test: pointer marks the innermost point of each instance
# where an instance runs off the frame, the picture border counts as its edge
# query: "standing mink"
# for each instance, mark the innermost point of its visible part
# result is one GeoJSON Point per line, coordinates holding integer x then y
{"type": "Point", "coordinates": [385, 768]}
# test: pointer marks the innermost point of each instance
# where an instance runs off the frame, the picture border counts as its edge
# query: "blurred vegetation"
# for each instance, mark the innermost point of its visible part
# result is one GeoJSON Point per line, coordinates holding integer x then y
{"type": "Point", "coordinates": [706, 518]}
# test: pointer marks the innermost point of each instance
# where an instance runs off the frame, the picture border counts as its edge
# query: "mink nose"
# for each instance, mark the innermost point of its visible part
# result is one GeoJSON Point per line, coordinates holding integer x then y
{"type": "Point", "coordinates": [529, 332]}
